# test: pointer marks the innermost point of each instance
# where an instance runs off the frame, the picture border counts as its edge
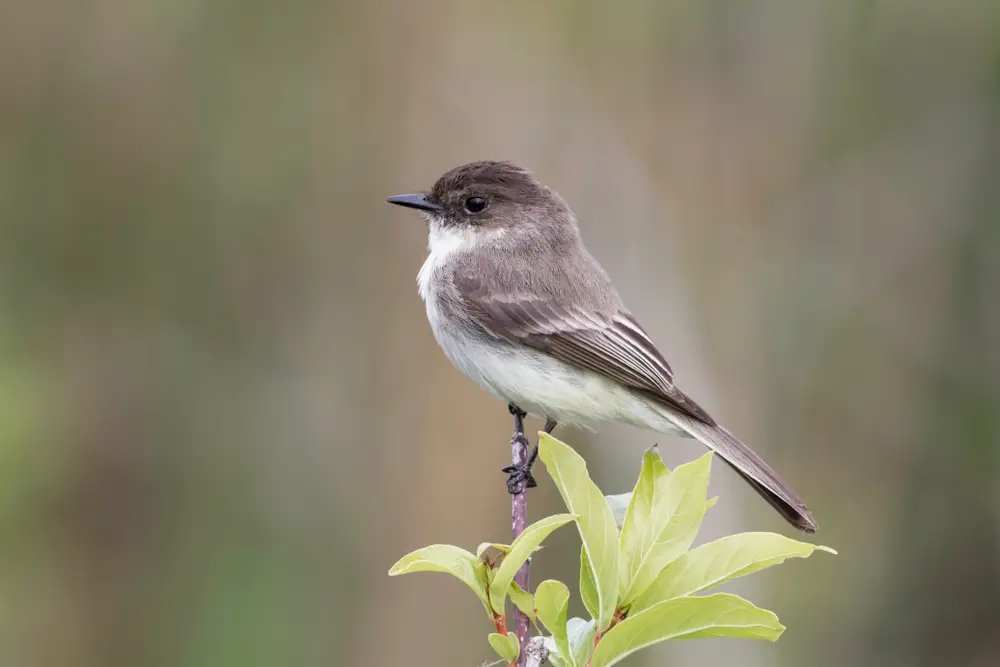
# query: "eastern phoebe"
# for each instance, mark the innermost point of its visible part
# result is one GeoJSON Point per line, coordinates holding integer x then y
{"type": "Point", "coordinates": [518, 304]}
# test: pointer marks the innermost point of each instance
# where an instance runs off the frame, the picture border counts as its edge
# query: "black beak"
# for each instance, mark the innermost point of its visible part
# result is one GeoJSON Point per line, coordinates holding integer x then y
{"type": "Point", "coordinates": [418, 201]}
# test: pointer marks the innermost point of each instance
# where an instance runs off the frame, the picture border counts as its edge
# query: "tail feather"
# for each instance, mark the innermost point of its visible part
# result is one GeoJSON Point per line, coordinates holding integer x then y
{"type": "Point", "coordinates": [751, 468]}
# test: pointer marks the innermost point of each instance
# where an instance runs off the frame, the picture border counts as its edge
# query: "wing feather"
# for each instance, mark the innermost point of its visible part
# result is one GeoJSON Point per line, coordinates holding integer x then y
{"type": "Point", "coordinates": [614, 346]}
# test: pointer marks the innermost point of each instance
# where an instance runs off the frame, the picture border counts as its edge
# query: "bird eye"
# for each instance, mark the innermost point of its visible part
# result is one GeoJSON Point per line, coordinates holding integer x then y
{"type": "Point", "coordinates": [475, 204]}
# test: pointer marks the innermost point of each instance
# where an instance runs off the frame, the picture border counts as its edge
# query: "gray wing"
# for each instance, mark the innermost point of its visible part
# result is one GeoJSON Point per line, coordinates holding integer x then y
{"type": "Point", "coordinates": [611, 344]}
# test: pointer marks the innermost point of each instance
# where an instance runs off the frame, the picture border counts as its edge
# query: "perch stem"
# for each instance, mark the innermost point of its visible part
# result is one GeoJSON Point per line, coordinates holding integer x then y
{"type": "Point", "coordinates": [519, 520]}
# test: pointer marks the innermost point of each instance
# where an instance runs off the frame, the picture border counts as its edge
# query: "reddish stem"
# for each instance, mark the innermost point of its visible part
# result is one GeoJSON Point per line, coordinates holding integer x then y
{"type": "Point", "coordinates": [501, 624]}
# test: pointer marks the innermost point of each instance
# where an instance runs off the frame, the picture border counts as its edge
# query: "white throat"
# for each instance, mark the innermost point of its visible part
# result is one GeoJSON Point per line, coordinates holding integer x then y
{"type": "Point", "coordinates": [444, 242]}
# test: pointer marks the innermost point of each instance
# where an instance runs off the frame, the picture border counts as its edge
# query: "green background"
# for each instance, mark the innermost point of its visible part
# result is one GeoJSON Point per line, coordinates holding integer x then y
{"type": "Point", "coordinates": [222, 413]}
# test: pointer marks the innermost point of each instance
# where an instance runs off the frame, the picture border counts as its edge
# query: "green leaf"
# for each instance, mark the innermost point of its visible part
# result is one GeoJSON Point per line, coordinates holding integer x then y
{"type": "Point", "coordinates": [653, 476]}
{"type": "Point", "coordinates": [662, 520]}
{"type": "Point", "coordinates": [551, 602]}
{"type": "Point", "coordinates": [719, 615]}
{"type": "Point", "coordinates": [580, 634]}
{"type": "Point", "coordinates": [520, 550]}
{"type": "Point", "coordinates": [486, 546]}
{"type": "Point", "coordinates": [555, 658]}
{"type": "Point", "coordinates": [487, 573]}
{"type": "Point", "coordinates": [588, 589]}
{"type": "Point", "coordinates": [449, 559]}
{"type": "Point", "coordinates": [506, 647]}
{"type": "Point", "coordinates": [724, 559]}
{"type": "Point", "coordinates": [619, 506]}
{"type": "Point", "coordinates": [594, 520]}
{"type": "Point", "coordinates": [522, 600]}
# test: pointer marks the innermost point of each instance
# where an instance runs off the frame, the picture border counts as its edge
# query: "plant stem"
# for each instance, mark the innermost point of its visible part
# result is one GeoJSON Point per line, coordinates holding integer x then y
{"type": "Point", "coordinates": [519, 519]}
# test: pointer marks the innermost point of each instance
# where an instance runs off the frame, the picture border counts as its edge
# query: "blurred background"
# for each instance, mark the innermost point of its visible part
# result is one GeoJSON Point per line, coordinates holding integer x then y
{"type": "Point", "coordinates": [222, 413]}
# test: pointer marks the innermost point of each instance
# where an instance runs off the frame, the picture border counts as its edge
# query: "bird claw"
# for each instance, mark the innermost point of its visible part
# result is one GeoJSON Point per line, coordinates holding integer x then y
{"type": "Point", "coordinates": [516, 411]}
{"type": "Point", "coordinates": [519, 478]}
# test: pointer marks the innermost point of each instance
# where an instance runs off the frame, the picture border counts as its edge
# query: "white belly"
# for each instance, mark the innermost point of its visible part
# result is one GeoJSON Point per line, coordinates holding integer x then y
{"type": "Point", "coordinates": [546, 387]}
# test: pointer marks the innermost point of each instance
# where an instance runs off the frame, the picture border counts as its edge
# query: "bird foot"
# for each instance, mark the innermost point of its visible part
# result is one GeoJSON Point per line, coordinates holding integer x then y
{"type": "Point", "coordinates": [519, 478]}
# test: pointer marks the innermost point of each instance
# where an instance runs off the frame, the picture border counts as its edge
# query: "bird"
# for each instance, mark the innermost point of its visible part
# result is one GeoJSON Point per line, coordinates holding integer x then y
{"type": "Point", "coordinates": [517, 303]}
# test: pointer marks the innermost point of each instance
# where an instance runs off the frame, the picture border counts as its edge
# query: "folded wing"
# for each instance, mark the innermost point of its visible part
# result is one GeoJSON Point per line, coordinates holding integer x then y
{"type": "Point", "coordinates": [612, 344]}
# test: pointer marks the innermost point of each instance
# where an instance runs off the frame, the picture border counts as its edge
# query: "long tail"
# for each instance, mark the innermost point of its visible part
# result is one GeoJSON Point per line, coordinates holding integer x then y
{"type": "Point", "coordinates": [751, 468]}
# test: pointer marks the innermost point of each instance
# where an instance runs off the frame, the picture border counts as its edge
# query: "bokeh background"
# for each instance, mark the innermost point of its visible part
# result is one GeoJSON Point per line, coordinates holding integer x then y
{"type": "Point", "coordinates": [222, 413]}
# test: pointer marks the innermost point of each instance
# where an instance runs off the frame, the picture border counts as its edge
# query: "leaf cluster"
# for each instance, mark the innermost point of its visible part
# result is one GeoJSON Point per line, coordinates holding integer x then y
{"type": "Point", "coordinates": [640, 580]}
